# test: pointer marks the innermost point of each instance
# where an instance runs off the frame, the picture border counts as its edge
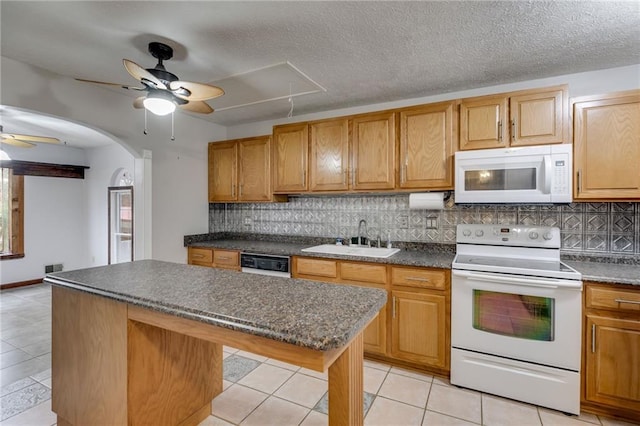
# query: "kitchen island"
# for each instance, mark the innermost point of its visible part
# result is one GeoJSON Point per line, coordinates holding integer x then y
{"type": "Point", "coordinates": [141, 342]}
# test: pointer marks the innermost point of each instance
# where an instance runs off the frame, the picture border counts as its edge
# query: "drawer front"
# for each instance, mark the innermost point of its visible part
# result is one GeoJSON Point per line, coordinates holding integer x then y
{"type": "Point", "coordinates": [316, 267]}
{"type": "Point", "coordinates": [418, 277]}
{"type": "Point", "coordinates": [200, 256]}
{"type": "Point", "coordinates": [365, 273]}
{"type": "Point", "coordinates": [612, 298]}
{"type": "Point", "coordinates": [225, 258]}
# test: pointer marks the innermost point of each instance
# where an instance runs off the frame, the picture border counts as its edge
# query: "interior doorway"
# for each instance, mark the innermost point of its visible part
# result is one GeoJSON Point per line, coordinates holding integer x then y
{"type": "Point", "coordinates": [120, 224]}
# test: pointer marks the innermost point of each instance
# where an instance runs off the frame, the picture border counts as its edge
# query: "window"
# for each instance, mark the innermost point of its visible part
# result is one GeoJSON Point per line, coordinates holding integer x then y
{"type": "Point", "coordinates": [11, 215]}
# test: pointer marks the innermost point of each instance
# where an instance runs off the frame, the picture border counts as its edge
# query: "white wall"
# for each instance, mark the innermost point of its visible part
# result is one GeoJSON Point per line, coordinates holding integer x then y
{"type": "Point", "coordinates": [54, 230]}
{"type": "Point", "coordinates": [104, 162]}
{"type": "Point", "coordinates": [179, 187]}
{"type": "Point", "coordinates": [580, 84]}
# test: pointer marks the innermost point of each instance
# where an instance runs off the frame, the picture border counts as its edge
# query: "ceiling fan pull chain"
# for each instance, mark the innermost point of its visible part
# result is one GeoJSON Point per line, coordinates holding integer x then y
{"type": "Point", "coordinates": [173, 138]}
{"type": "Point", "coordinates": [145, 121]}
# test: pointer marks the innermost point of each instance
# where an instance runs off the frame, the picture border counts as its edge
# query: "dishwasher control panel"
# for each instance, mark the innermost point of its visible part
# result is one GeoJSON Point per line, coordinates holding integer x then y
{"type": "Point", "coordinates": [264, 262]}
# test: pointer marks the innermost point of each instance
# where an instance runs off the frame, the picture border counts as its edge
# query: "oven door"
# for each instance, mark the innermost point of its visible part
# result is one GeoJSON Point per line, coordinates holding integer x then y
{"type": "Point", "coordinates": [520, 317]}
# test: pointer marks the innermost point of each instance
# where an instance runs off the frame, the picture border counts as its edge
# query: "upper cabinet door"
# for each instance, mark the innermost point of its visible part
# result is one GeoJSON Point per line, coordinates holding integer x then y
{"type": "Point", "coordinates": [373, 151]}
{"type": "Point", "coordinates": [329, 159]}
{"type": "Point", "coordinates": [223, 171]}
{"type": "Point", "coordinates": [607, 147]}
{"type": "Point", "coordinates": [427, 140]}
{"type": "Point", "coordinates": [255, 178]}
{"type": "Point", "coordinates": [540, 117]}
{"type": "Point", "coordinates": [484, 123]}
{"type": "Point", "coordinates": [290, 153]}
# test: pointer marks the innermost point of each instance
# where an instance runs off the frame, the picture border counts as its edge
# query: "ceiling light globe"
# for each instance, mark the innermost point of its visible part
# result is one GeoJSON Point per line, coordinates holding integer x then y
{"type": "Point", "coordinates": [159, 106]}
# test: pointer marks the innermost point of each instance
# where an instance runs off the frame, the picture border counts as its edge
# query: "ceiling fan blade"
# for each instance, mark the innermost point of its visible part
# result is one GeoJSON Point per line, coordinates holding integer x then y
{"type": "Point", "coordinates": [138, 102]}
{"type": "Point", "coordinates": [30, 138]}
{"type": "Point", "coordinates": [194, 91]}
{"type": "Point", "coordinates": [197, 106]}
{"type": "Point", "coordinates": [141, 74]}
{"type": "Point", "coordinates": [16, 142]}
{"type": "Point", "coordinates": [124, 86]}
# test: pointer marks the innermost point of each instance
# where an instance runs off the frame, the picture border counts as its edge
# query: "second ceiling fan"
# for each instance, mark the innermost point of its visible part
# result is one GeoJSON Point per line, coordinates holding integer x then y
{"type": "Point", "coordinates": [164, 90]}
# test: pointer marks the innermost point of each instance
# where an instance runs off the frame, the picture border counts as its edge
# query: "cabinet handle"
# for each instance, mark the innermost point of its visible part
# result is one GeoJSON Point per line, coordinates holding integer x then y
{"type": "Point", "coordinates": [500, 131]}
{"type": "Point", "coordinates": [513, 129]}
{"type": "Point", "coordinates": [240, 190]}
{"type": "Point", "coordinates": [344, 177]}
{"type": "Point", "coordinates": [579, 182]}
{"type": "Point", "coordinates": [304, 177]}
{"type": "Point", "coordinates": [403, 173]}
{"type": "Point", "coordinates": [633, 302]}
{"type": "Point", "coordinates": [424, 280]}
{"type": "Point", "coordinates": [224, 258]}
{"type": "Point", "coordinates": [393, 307]}
{"type": "Point", "coordinates": [353, 178]}
{"type": "Point", "coordinates": [593, 338]}
{"type": "Point", "coordinates": [197, 256]}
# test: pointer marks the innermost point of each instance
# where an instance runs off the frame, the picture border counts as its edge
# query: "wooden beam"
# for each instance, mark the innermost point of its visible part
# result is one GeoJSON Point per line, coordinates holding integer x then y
{"type": "Point", "coordinates": [31, 168]}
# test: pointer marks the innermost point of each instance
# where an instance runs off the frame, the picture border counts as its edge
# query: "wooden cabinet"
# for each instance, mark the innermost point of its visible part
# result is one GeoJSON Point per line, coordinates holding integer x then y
{"type": "Point", "coordinates": [290, 158]}
{"type": "Point", "coordinates": [373, 151]}
{"type": "Point", "coordinates": [607, 146]}
{"type": "Point", "coordinates": [528, 117]}
{"type": "Point", "coordinates": [355, 273]}
{"type": "Point", "coordinates": [216, 258]}
{"type": "Point", "coordinates": [611, 376]}
{"type": "Point", "coordinates": [428, 139]}
{"type": "Point", "coordinates": [420, 329]}
{"type": "Point", "coordinates": [329, 156]}
{"type": "Point", "coordinates": [223, 171]}
{"type": "Point", "coordinates": [239, 170]}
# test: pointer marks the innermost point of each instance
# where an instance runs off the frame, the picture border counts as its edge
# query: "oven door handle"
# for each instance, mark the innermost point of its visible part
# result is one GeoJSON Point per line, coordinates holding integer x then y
{"type": "Point", "coordinates": [530, 282]}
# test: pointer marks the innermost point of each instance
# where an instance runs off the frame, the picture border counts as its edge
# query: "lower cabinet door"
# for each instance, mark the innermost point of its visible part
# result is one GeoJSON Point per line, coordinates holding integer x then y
{"type": "Point", "coordinates": [375, 335]}
{"type": "Point", "coordinates": [613, 362]}
{"type": "Point", "coordinates": [419, 328]}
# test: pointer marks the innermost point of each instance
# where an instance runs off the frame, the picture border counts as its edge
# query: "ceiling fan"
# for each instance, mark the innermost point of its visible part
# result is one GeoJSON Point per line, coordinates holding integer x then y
{"type": "Point", "coordinates": [25, 141]}
{"type": "Point", "coordinates": [164, 90]}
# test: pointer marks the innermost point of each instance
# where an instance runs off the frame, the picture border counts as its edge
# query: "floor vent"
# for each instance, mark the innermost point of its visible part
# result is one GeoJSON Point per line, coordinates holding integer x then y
{"type": "Point", "coordinates": [53, 268]}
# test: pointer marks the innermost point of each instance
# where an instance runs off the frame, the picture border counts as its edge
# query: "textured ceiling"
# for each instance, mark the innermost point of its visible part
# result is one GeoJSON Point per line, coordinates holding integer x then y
{"type": "Point", "coordinates": [361, 52]}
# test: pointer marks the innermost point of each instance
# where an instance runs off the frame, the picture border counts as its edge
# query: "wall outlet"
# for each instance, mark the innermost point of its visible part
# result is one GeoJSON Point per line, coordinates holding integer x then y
{"type": "Point", "coordinates": [431, 222]}
{"type": "Point", "coordinates": [402, 221]}
{"type": "Point", "coordinates": [57, 267]}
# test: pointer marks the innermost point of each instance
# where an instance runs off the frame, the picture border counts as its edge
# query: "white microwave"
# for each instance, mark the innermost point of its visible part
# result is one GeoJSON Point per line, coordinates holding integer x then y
{"type": "Point", "coordinates": [532, 174]}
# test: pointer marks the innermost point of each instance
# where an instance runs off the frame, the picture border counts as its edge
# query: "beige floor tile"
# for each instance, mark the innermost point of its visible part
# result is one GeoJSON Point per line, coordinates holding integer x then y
{"type": "Point", "coordinates": [252, 356]}
{"type": "Point", "coordinates": [608, 421]}
{"type": "Point", "coordinates": [377, 365]}
{"type": "Point", "coordinates": [281, 364]}
{"type": "Point", "coordinates": [266, 378]}
{"type": "Point", "coordinates": [226, 384]}
{"type": "Point", "coordinates": [214, 421]}
{"type": "Point", "coordinates": [277, 412]}
{"type": "Point", "coordinates": [553, 417]}
{"type": "Point", "coordinates": [461, 403]}
{"type": "Point", "coordinates": [40, 415]}
{"type": "Point", "coordinates": [373, 379]}
{"type": "Point", "coordinates": [316, 374]}
{"type": "Point", "coordinates": [236, 403]}
{"type": "Point", "coordinates": [315, 419]}
{"type": "Point", "coordinates": [303, 390]}
{"type": "Point", "coordinates": [385, 412]}
{"type": "Point", "coordinates": [501, 411]}
{"type": "Point", "coordinates": [431, 418]}
{"type": "Point", "coordinates": [414, 374]}
{"type": "Point", "coordinates": [405, 389]}
{"type": "Point", "coordinates": [442, 381]}
{"type": "Point", "coordinates": [226, 354]}
{"type": "Point", "coordinates": [229, 349]}
{"type": "Point", "coordinates": [47, 382]}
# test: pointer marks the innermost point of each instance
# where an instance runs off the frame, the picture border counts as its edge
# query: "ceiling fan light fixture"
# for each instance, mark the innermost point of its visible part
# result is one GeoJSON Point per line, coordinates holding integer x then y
{"type": "Point", "coordinates": [159, 103]}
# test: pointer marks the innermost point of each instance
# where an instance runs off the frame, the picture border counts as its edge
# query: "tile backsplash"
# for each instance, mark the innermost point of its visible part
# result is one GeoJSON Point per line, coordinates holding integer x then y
{"type": "Point", "coordinates": [585, 227]}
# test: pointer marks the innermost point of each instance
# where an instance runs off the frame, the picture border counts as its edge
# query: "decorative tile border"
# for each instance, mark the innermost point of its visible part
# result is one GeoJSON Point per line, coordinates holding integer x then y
{"type": "Point", "coordinates": [585, 227]}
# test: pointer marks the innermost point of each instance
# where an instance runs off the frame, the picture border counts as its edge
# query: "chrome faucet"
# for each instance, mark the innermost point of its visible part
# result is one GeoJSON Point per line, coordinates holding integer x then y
{"type": "Point", "coordinates": [360, 239]}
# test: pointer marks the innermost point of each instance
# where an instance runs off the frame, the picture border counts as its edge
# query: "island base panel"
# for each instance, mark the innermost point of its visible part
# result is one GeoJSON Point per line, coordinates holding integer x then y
{"type": "Point", "coordinates": [346, 386]}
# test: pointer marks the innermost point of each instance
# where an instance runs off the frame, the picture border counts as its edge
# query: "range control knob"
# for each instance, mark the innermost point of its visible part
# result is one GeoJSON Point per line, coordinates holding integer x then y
{"type": "Point", "coordinates": [479, 233]}
{"type": "Point", "coordinates": [547, 236]}
{"type": "Point", "coordinates": [533, 235]}
{"type": "Point", "coordinates": [466, 232]}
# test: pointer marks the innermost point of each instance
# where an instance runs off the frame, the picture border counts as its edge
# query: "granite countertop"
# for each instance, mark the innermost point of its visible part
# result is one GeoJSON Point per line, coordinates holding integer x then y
{"type": "Point", "coordinates": [310, 314]}
{"type": "Point", "coordinates": [604, 269]}
{"type": "Point", "coordinates": [425, 257]}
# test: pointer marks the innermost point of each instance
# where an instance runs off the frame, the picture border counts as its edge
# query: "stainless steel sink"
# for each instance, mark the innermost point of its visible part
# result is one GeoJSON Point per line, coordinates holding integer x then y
{"type": "Point", "coordinates": [352, 251]}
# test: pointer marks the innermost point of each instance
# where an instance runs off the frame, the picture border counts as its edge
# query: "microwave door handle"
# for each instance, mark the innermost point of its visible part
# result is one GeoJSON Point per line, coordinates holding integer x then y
{"type": "Point", "coordinates": [547, 174]}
